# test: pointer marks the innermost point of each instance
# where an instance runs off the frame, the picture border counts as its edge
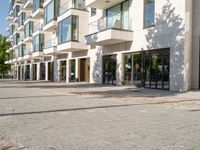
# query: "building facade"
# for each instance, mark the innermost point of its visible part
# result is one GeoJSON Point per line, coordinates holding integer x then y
{"type": "Point", "coordinates": [145, 43]}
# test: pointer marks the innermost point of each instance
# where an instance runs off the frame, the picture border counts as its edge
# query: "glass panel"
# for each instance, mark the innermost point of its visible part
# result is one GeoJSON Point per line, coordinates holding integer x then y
{"type": "Point", "coordinates": [37, 4]}
{"type": "Point", "coordinates": [49, 12]}
{"type": "Point", "coordinates": [63, 71]}
{"type": "Point", "coordinates": [154, 67]}
{"type": "Point", "coordinates": [74, 28]}
{"type": "Point", "coordinates": [66, 30]}
{"type": "Point", "coordinates": [166, 72]}
{"type": "Point", "coordinates": [147, 71]}
{"type": "Point", "coordinates": [137, 67]}
{"type": "Point", "coordinates": [114, 17]}
{"type": "Point", "coordinates": [159, 73]}
{"type": "Point", "coordinates": [125, 15]}
{"type": "Point", "coordinates": [128, 69]}
{"type": "Point", "coordinates": [38, 43]}
{"type": "Point", "coordinates": [72, 74]}
{"type": "Point", "coordinates": [149, 13]}
{"type": "Point", "coordinates": [109, 72]}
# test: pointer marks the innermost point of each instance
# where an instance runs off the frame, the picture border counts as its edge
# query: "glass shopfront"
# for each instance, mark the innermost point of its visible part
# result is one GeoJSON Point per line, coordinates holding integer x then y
{"type": "Point", "coordinates": [72, 71]}
{"type": "Point", "coordinates": [109, 69]}
{"type": "Point", "coordinates": [149, 69]}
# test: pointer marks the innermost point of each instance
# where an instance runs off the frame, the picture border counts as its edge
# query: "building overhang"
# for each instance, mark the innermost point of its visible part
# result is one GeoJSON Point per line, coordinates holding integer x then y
{"type": "Point", "coordinates": [109, 37]}
{"type": "Point", "coordinates": [102, 4]}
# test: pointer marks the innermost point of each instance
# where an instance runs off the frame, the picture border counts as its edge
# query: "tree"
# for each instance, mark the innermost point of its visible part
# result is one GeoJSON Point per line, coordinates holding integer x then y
{"type": "Point", "coordinates": [4, 68]}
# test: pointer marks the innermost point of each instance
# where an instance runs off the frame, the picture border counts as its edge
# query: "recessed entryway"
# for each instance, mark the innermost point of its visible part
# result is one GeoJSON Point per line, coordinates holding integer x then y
{"type": "Point", "coordinates": [84, 70]}
{"type": "Point", "coordinates": [109, 69]}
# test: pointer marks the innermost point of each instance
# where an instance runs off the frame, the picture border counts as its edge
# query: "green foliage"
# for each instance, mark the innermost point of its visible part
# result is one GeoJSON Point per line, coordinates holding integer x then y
{"type": "Point", "coordinates": [3, 55]}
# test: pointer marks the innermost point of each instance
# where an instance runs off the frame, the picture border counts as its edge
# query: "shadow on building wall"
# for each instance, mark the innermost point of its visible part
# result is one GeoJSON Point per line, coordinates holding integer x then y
{"type": "Point", "coordinates": [169, 32]}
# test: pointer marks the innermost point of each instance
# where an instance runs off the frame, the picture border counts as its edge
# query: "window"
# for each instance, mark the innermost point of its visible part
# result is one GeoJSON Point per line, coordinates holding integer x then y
{"type": "Point", "coordinates": [149, 13]}
{"type": "Point", "coordinates": [21, 50]}
{"type": "Point", "coordinates": [16, 39]}
{"type": "Point", "coordinates": [37, 4]}
{"type": "Point", "coordinates": [21, 19]}
{"type": "Point", "coordinates": [93, 11]}
{"type": "Point", "coordinates": [28, 30]}
{"type": "Point", "coordinates": [68, 29]}
{"type": "Point", "coordinates": [49, 12]}
{"type": "Point", "coordinates": [16, 10]}
{"type": "Point", "coordinates": [38, 43]}
{"type": "Point", "coordinates": [118, 16]}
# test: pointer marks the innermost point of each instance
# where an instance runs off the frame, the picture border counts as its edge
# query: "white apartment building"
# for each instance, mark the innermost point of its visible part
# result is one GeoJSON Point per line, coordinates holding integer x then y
{"type": "Point", "coordinates": [145, 43]}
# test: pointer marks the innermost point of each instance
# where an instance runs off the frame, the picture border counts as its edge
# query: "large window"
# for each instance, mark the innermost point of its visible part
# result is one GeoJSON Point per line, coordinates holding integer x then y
{"type": "Point", "coordinates": [51, 11]}
{"type": "Point", "coordinates": [16, 10]}
{"type": "Point", "coordinates": [21, 19]}
{"type": "Point", "coordinates": [28, 30]}
{"type": "Point", "coordinates": [38, 43]}
{"type": "Point", "coordinates": [37, 4]}
{"type": "Point", "coordinates": [21, 50]}
{"type": "Point", "coordinates": [149, 13]}
{"type": "Point", "coordinates": [16, 39]}
{"type": "Point", "coordinates": [118, 16]}
{"type": "Point", "coordinates": [68, 29]}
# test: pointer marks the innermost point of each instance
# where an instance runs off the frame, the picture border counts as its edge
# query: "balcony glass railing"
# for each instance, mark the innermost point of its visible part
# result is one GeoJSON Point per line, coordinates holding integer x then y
{"type": "Point", "coordinates": [37, 27]}
{"type": "Point", "coordinates": [114, 22]}
{"type": "Point", "coordinates": [27, 51]}
{"type": "Point", "coordinates": [38, 47]}
{"type": "Point", "coordinates": [77, 4]}
{"type": "Point", "coordinates": [50, 43]}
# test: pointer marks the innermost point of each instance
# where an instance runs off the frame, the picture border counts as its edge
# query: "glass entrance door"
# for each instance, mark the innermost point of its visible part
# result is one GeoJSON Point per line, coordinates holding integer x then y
{"type": "Point", "coordinates": [128, 76]}
{"type": "Point", "coordinates": [63, 71]}
{"type": "Point", "coordinates": [109, 69]}
{"type": "Point", "coordinates": [137, 69]}
{"type": "Point", "coordinates": [157, 71]}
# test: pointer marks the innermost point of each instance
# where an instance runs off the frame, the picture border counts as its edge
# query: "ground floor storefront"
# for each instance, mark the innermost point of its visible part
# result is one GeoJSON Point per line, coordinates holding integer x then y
{"type": "Point", "coordinates": [149, 69]}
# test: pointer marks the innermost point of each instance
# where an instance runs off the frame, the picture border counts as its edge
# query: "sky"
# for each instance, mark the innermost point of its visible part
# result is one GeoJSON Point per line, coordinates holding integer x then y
{"type": "Point", "coordinates": [4, 5]}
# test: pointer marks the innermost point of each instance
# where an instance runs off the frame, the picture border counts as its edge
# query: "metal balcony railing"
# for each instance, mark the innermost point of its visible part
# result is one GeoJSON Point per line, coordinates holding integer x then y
{"type": "Point", "coordinates": [114, 22]}
{"type": "Point", "coordinates": [77, 4]}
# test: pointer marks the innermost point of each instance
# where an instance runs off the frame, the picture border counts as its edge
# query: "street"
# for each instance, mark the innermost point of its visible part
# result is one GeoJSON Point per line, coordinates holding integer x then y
{"type": "Point", "coordinates": [60, 116]}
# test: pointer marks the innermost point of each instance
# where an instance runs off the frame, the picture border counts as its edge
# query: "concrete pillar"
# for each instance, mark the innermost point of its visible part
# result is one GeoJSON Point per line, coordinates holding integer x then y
{"type": "Point", "coordinates": [59, 71]}
{"type": "Point", "coordinates": [119, 71]}
{"type": "Point", "coordinates": [67, 70]}
{"type": "Point", "coordinates": [55, 69]}
{"type": "Point", "coordinates": [46, 71]}
{"type": "Point", "coordinates": [77, 69]}
{"type": "Point", "coordinates": [31, 71]}
{"type": "Point", "coordinates": [17, 74]}
{"type": "Point", "coordinates": [38, 71]}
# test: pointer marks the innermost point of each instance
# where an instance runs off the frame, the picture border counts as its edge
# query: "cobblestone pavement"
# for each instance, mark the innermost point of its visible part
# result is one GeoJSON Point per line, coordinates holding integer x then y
{"type": "Point", "coordinates": [59, 116]}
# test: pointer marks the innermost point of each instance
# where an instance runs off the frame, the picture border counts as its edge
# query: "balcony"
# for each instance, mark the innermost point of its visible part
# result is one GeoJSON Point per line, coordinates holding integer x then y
{"type": "Point", "coordinates": [37, 29]}
{"type": "Point", "coordinates": [27, 55]}
{"type": "Point", "coordinates": [108, 31]}
{"type": "Point", "coordinates": [38, 14]}
{"type": "Point", "coordinates": [79, 4]}
{"type": "Point", "coordinates": [50, 47]}
{"type": "Point", "coordinates": [102, 4]}
{"type": "Point", "coordinates": [37, 9]}
{"type": "Point", "coordinates": [28, 4]}
{"type": "Point", "coordinates": [37, 49]}
{"type": "Point", "coordinates": [28, 39]}
{"type": "Point", "coordinates": [71, 46]}
{"type": "Point", "coordinates": [21, 28]}
{"type": "Point", "coordinates": [51, 26]}
{"type": "Point", "coordinates": [9, 18]}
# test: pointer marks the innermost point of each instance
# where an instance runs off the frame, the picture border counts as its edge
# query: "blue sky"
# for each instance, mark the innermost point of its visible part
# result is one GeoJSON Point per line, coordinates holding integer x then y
{"type": "Point", "coordinates": [4, 5]}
